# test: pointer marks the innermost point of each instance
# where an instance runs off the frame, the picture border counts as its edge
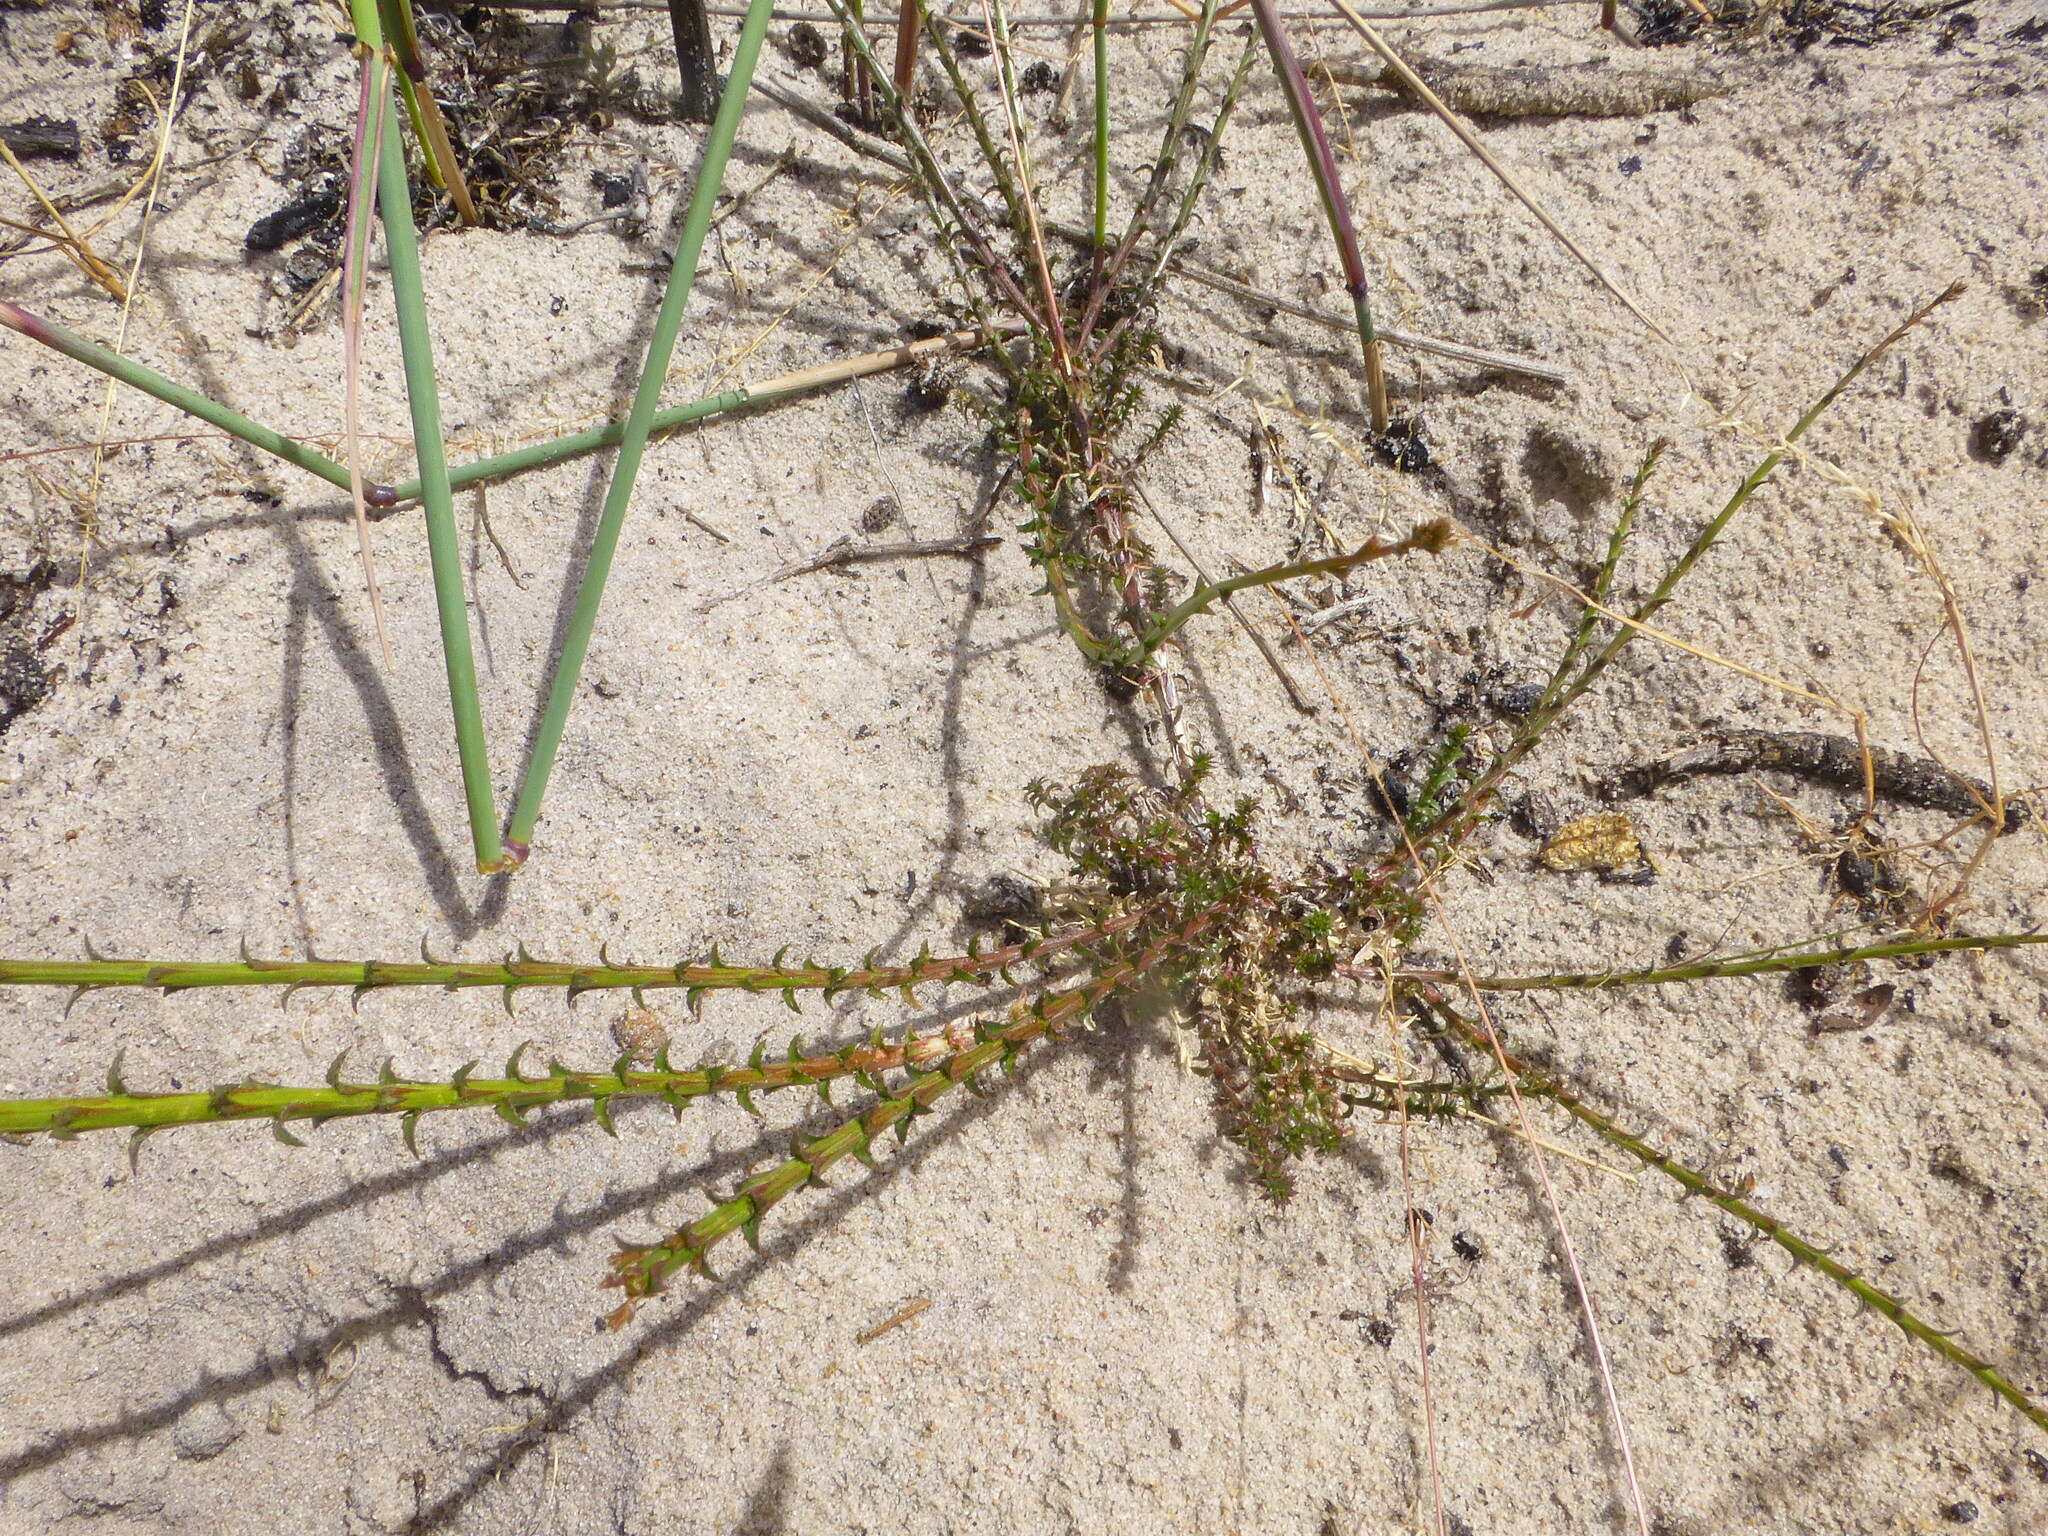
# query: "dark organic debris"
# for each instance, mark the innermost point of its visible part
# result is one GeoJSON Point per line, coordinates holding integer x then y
{"type": "Point", "coordinates": [42, 138]}
{"type": "Point", "coordinates": [1996, 434]}
{"type": "Point", "coordinates": [1402, 446]}
{"type": "Point", "coordinates": [300, 216]}
{"type": "Point", "coordinates": [1858, 1012]}
{"type": "Point", "coordinates": [24, 682]}
{"type": "Point", "coordinates": [806, 46]}
{"type": "Point", "coordinates": [1836, 760]}
{"type": "Point", "coordinates": [1004, 900]}
{"type": "Point", "coordinates": [1856, 23]}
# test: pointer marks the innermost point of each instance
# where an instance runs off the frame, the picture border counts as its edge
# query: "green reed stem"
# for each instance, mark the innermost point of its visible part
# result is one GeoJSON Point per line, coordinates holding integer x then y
{"type": "Point", "coordinates": [639, 424]}
{"type": "Point", "coordinates": [788, 386]}
{"type": "Point", "coordinates": [1802, 1251]}
{"type": "Point", "coordinates": [136, 376]}
{"type": "Point", "coordinates": [1764, 965]}
{"type": "Point", "coordinates": [423, 396]}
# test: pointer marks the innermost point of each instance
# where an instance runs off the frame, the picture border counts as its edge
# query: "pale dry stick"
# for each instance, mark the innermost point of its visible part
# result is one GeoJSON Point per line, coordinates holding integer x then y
{"type": "Point", "coordinates": [999, 27]}
{"type": "Point", "coordinates": [168, 115]}
{"type": "Point", "coordinates": [831, 262]}
{"type": "Point", "coordinates": [73, 245]}
{"type": "Point", "coordinates": [843, 551]}
{"type": "Point", "coordinates": [1209, 277]}
{"type": "Point", "coordinates": [355, 267]}
{"type": "Point", "coordinates": [1426, 889]}
{"type": "Point", "coordinates": [1470, 140]}
{"type": "Point", "coordinates": [798, 105]}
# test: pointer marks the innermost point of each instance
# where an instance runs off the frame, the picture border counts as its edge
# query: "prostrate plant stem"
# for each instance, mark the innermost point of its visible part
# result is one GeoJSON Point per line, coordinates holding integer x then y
{"type": "Point", "coordinates": [1805, 1253]}
{"type": "Point", "coordinates": [644, 1271]}
{"type": "Point", "coordinates": [517, 974]}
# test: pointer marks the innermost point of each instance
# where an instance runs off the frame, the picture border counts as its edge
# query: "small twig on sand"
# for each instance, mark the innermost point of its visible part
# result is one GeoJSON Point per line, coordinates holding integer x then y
{"type": "Point", "coordinates": [1595, 89]}
{"type": "Point", "coordinates": [1209, 277]}
{"type": "Point", "coordinates": [1836, 760]}
{"type": "Point", "coordinates": [843, 551]}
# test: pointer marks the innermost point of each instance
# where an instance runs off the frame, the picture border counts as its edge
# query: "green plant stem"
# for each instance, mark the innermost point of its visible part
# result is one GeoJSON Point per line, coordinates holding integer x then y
{"type": "Point", "coordinates": [1763, 965]}
{"type": "Point", "coordinates": [136, 376]}
{"type": "Point", "coordinates": [1802, 1251]}
{"type": "Point", "coordinates": [633, 439]}
{"type": "Point", "coordinates": [1603, 583]}
{"type": "Point", "coordinates": [1560, 697]}
{"type": "Point", "coordinates": [1432, 537]}
{"type": "Point", "coordinates": [977, 966]}
{"type": "Point", "coordinates": [1322, 162]}
{"type": "Point", "coordinates": [510, 1096]}
{"type": "Point", "coordinates": [932, 180]}
{"type": "Point", "coordinates": [1170, 143]}
{"type": "Point", "coordinates": [1710, 535]}
{"type": "Point", "coordinates": [423, 396]}
{"type": "Point", "coordinates": [557, 450]}
{"type": "Point", "coordinates": [644, 1271]}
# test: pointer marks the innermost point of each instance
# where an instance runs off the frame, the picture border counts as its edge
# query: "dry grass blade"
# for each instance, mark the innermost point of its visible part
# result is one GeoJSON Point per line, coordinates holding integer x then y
{"type": "Point", "coordinates": [1470, 140]}
{"type": "Point", "coordinates": [68, 240]}
{"type": "Point", "coordinates": [129, 286]}
{"type": "Point", "coordinates": [369, 148]}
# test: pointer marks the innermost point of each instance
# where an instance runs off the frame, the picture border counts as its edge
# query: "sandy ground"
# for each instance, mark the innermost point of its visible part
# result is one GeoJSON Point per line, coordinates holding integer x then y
{"type": "Point", "coordinates": [1120, 1334]}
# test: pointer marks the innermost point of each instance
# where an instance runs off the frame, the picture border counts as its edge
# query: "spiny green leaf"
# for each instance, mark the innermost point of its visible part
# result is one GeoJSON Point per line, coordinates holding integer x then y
{"type": "Point", "coordinates": [135, 1139]}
